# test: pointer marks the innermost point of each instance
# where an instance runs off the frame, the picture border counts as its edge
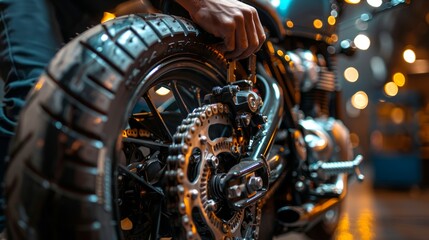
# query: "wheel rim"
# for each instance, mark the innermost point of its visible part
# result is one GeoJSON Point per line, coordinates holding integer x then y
{"type": "Point", "coordinates": [186, 80]}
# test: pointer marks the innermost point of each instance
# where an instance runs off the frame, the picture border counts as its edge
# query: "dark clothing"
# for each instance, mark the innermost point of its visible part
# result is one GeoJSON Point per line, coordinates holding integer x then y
{"type": "Point", "coordinates": [31, 32]}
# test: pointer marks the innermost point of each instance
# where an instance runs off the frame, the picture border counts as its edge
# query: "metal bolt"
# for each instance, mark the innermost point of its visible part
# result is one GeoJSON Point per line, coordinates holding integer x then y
{"type": "Point", "coordinates": [211, 205]}
{"type": "Point", "coordinates": [182, 160]}
{"type": "Point", "coordinates": [252, 103]}
{"type": "Point", "coordinates": [180, 175]}
{"type": "Point", "coordinates": [185, 220]}
{"type": "Point", "coordinates": [180, 189]}
{"type": "Point", "coordinates": [255, 184]}
{"type": "Point", "coordinates": [194, 194]}
{"type": "Point", "coordinates": [182, 208]}
{"type": "Point", "coordinates": [299, 186]}
{"type": "Point", "coordinates": [203, 139]}
{"type": "Point", "coordinates": [189, 235]}
{"type": "Point", "coordinates": [188, 138]}
{"type": "Point", "coordinates": [213, 161]}
{"type": "Point", "coordinates": [234, 191]}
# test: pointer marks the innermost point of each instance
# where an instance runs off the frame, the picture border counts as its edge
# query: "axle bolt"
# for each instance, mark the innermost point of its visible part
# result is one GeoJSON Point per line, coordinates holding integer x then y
{"type": "Point", "coordinates": [255, 184]}
{"type": "Point", "coordinates": [234, 191]}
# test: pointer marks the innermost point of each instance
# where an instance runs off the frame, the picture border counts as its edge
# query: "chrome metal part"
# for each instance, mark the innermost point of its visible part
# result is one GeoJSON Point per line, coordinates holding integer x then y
{"type": "Point", "coordinates": [200, 155]}
{"type": "Point", "coordinates": [300, 216]}
{"type": "Point", "coordinates": [335, 168]}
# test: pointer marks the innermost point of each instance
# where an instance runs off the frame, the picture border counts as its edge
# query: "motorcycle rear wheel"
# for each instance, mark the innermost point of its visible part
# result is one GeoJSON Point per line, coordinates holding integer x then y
{"type": "Point", "coordinates": [61, 179]}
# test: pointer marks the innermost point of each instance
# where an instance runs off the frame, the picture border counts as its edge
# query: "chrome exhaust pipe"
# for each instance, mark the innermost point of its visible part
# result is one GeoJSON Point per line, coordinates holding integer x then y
{"type": "Point", "coordinates": [301, 216]}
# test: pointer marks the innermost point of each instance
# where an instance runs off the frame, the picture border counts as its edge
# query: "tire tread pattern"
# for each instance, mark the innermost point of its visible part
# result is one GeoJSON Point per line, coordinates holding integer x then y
{"type": "Point", "coordinates": [65, 127]}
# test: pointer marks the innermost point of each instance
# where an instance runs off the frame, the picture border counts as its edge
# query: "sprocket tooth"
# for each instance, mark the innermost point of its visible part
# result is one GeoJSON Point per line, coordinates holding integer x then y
{"type": "Point", "coordinates": [187, 193]}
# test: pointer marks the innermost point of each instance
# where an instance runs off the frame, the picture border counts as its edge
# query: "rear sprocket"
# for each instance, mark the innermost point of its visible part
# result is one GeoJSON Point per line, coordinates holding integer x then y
{"type": "Point", "coordinates": [204, 148]}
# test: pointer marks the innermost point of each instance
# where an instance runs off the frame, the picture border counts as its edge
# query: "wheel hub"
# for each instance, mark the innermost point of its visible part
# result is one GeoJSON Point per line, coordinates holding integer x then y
{"type": "Point", "coordinates": [206, 147]}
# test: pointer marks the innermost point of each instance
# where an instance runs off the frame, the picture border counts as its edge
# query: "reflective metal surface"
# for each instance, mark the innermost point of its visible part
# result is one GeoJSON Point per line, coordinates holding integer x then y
{"type": "Point", "coordinates": [381, 214]}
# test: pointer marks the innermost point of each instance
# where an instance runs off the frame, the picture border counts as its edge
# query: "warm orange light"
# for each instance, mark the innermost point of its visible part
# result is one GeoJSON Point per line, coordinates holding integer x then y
{"type": "Point", "coordinates": [354, 138]}
{"type": "Point", "coordinates": [397, 115]}
{"type": "Point", "coordinates": [317, 23]}
{"type": "Point", "coordinates": [107, 16]}
{"type": "Point", "coordinates": [399, 79]}
{"type": "Point", "coordinates": [353, 1]}
{"type": "Point", "coordinates": [280, 53]}
{"type": "Point", "coordinates": [39, 84]}
{"type": "Point", "coordinates": [365, 225]}
{"type": "Point", "coordinates": [332, 20]}
{"type": "Point", "coordinates": [376, 139]}
{"type": "Point", "coordinates": [391, 89]}
{"type": "Point", "coordinates": [289, 24]}
{"type": "Point", "coordinates": [344, 229]}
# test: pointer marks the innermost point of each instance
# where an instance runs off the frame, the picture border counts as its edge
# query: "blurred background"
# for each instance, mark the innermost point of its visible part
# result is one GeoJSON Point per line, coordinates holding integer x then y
{"type": "Point", "coordinates": [386, 91]}
{"type": "Point", "coordinates": [386, 107]}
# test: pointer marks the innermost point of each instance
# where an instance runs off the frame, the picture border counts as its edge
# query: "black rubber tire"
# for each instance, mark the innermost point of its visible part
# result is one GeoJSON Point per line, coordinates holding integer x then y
{"type": "Point", "coordinates": [59, 183]}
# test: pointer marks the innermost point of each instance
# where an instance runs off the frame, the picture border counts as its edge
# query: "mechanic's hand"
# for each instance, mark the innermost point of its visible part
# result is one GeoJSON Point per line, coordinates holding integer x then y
{"type": "Point", "coordinates": [236, 23]}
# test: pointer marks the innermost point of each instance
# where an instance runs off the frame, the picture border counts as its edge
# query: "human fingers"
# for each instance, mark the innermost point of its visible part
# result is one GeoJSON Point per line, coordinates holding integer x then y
{"type": "Point", "coordinates": [241, 41]}
{"type": "Point", "coordinates": [259, 29]}
{"type": "Point", "coordinates": [252, 36]}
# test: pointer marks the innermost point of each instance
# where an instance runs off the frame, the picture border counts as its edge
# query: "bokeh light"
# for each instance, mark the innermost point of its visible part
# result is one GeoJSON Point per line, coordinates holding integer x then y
{"type": "Point", "coordinates": [353, 1]}
{"type": "Point", "coordinates": [399, 79]}
{"type": "Point", "coordinates": [275, 3]}
{"type": "Point", "coordinates": [331, 20]}
{"type": "Point", "coordinates": [317, 23]}
{"type": "Point", "coordinates": [360, 100]}
{"type": "Point", "coordinates": [391, 89]}
{"type": "Point", "coordinates": [409, 56]}
{"type": "Point", "coordinates": [362, 42]}
{"type": "Point", "coordinates": [351, 74]}
{"type": "Point", "coordinates": [352, 111]}
{"type": "Point", "coordinates": [397, 115]}
{"type": "Point", "coordinates": [354, 138]}
{"type": "Point", "coordinates": [374, 3]}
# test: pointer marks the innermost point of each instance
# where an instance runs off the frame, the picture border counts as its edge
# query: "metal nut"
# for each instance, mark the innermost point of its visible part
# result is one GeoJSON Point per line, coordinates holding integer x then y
{"type": "Point", "coordinates": [234, 191]}
{"type": "Point", "coordinates": [255, 184]}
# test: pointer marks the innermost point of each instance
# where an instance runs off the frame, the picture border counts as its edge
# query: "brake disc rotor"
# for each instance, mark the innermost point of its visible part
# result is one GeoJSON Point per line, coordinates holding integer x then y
{"type": "Point", "coordinates": [204, 147]}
